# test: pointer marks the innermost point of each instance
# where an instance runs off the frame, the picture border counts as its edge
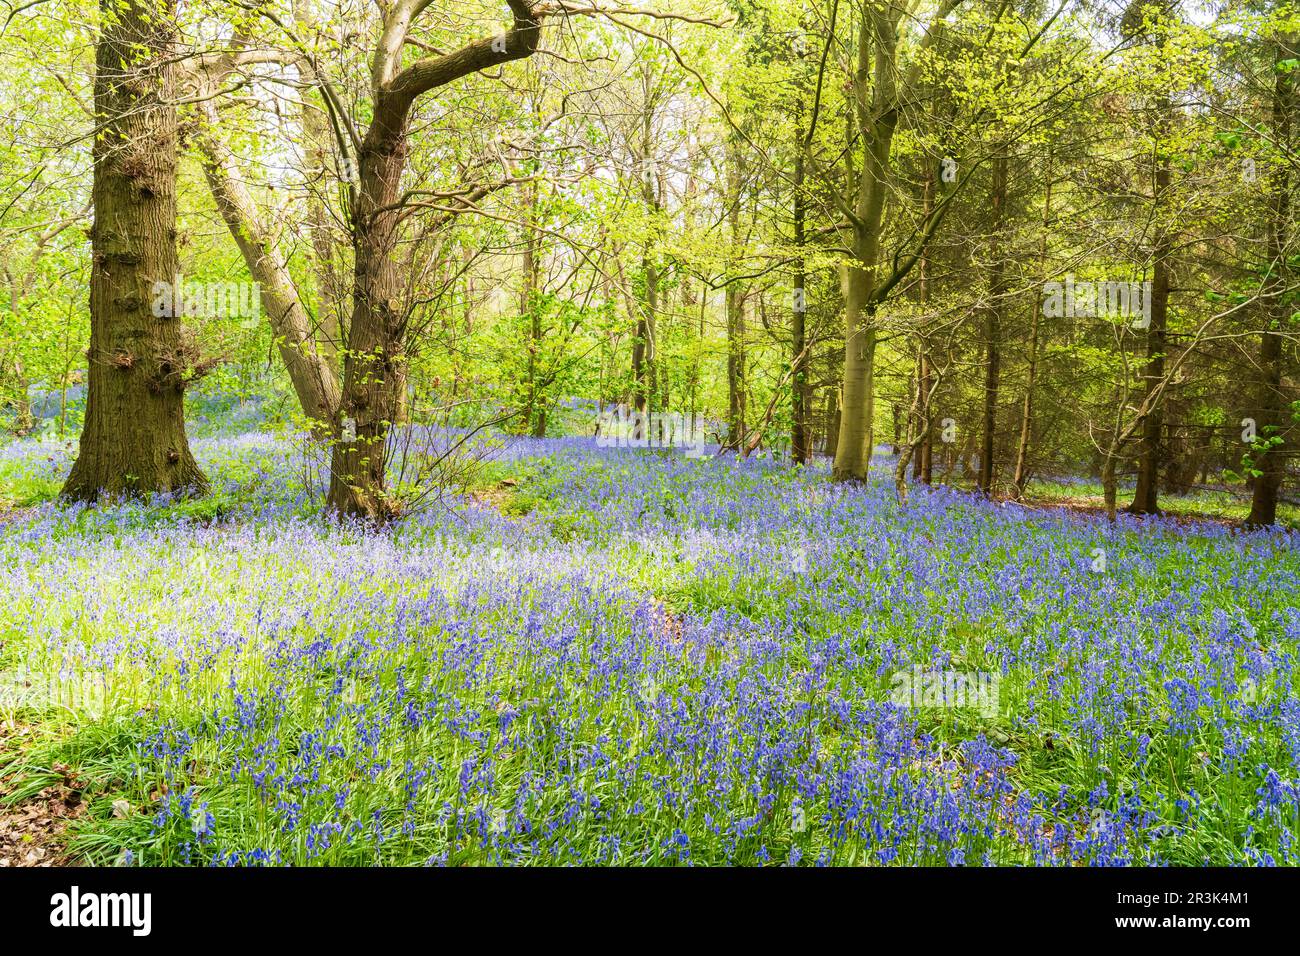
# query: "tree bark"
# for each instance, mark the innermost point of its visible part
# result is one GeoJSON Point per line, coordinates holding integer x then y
{"type": "Point", "coordinates": [875, 93]}
{"type": "Point", "coordinates": [735, 306]}
{"type": "Point", "coordinates": [925, 455]}
{"type": "Point", "coordinates": [643, 346]}
{"type": "Point", "coordinates": [374, 368]}
{"type": "Point", "coordinates": [1020, 477]}
{"type": "Point", "coordinates": [23, 418]}
{"type": "Point", "coordinates": [799, 396]}
{"type": "Point", "coordinates": [832, 419]}
{"type": "Point", "coordinates": [1147, 489]}
{"type": "Point", "coordinates": [734, 299]}
{"type": "Point", "coordinates": [1273, 406]}
{"type": "Point", "coordinates": [924, 460]}
{"type": "Point", "coordinates": [529, 306]}
{"type": "Point", "coordinates": [993, 326]}
{"type": "Point", "coordinates": [331, 333]}
{"type": "Point", "coordinates": [134, 440]}
{"type": "Point", "coordinates": [310, 367]}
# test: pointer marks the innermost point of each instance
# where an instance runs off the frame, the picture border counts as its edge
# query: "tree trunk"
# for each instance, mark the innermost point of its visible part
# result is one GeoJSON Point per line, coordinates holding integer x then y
{"type": "Point", "coordinates": [529, 306]}
{"type": "Point", "coordinates": [925, 365]}
{"type": "Point", "coordinates": [993, 326]}
{"type": "Point", "coordinates": [877, 117]}
{"type": "Point", "coordinates": [647, 332]}
{"type": "Point", "coordinates": [310, 367]}
{"type": "Point", "coordinates": [853, 451]}
{"type": "Point", "coordinates": [924, 471]}
{"type": "Point", "coordinates": [925, 455]}
{"type": "Point", "coordinates": [832, 420]}
{"type": "Point", "coordinates": [643, 347]}
{"type": "Point", "coordinates": [23, 418]}
{"type": "Point", "coordinates": [734, 299]}
{"type": "Point", "coordinates": [1109, 482]}
{"type": "Point", "coordinates": [799, 397]}
{"type": "Point", "coordinates": [1273, 405]}
{"type": "Point", "coordinates": [140, 363]}
{"type": "Point", "coordinates": [330, 331]}
{"type": "Point", "coordinates": [1147, 490]}
{"type": "Point", "coordinates": [374, 368]}
{"type": "Point", "coordinates": [1021, 477]}
{"type": "Point", "coordinates": [920, 438]}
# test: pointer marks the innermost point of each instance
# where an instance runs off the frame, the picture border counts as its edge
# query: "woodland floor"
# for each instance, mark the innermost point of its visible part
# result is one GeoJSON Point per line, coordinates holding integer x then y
{"type": "Point", "coordinates": [33, 829]}
{"type": "Point", "coordinates": [608, 656]}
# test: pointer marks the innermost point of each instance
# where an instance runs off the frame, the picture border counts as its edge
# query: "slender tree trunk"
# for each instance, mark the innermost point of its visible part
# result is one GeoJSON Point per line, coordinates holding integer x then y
{"type": "Point", "coordinates": [734, 299]}
{"type": "Point", "coordinates": [310, 366]}
{"type": "Point", "coordinates": [536, 404]}
{"type": "Point", "coordinates": [876, 119]}
{"type": "Point", "coordinates": [920, 438]}
{"type": "Point", "coordinates": [1147, 490]}
{"type": "Point", "coordinates": [925, 365]}
{"type": "Point", "coordinates": [1021, 477]}
{"type": "Point", "coordinates": [649, 329]}
{"type": "Point", "coordinates": [640, 339]}
{"type": "Point", "coordinates": [696, 371]}
{"type": "Point", "coordinates": [329, 331]}
{"type": "Point", "coordinates": [134, 437]}
{"type": "Point", "coordinates": [643, 346]}
{"type": "Point", "coordinates": [832, 419]}
{"type": "Point", "coordinates": [799, 397]}
{"type": "Point", "coordinates": [529, 306]}
{"type": "Point", "coordinates": [1273, 406]}
{"type": "Point", "coordinates": [1109, 483]}
{"type": "Point", "coordinates": [735, 306]}
{"type": "Point", "coordinates": [993, 326]}
{"type": "Point", "coordinates": [23, 418]}
{"type": "Point", "coordinates": [925, 456]}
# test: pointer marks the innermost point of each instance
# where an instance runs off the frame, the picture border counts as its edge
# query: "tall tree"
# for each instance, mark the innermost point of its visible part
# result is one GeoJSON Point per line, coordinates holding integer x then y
{"type": "Point", "coordinates": [997, 291]}
{"type": "Point", "coordinates": [800, 395]}
{"type": "Point", "coordinates": [1146, 491]}
{"type": "Point", "coordinates": [140, 362]}
{"type": "Point", "coordinates": [736, 296]}
{"type": "Point", "coordinates": [1277, 294]}
{"type": "Point", "coordinates": [374, 374]}
{"type": "Point", "coordinates": [879, 87]}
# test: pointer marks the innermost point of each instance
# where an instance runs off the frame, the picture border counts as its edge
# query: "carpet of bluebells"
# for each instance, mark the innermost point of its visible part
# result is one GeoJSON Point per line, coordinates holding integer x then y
{"type": "Point", "coordinates": [632, 657]}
